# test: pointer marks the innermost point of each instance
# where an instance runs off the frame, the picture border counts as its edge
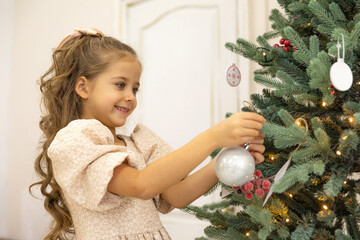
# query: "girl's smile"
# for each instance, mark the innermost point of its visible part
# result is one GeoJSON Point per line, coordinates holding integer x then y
{"type": "Point", "coordinates": [123, 110]}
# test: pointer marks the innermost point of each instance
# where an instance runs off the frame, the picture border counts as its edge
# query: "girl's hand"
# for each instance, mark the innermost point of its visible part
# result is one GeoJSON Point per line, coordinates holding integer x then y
{"type": "Point", "coordinates": [257, 148]}
{"type": "Point", "coordinates": [238, 129]}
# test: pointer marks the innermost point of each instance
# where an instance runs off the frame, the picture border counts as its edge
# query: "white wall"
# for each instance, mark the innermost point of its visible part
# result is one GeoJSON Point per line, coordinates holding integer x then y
{"type": "Point", "coordinates": [29, 30]}
{"type": "Point", "coordinates": [6, 30]}
{"type": "Point", "coordinates": [38, 27]}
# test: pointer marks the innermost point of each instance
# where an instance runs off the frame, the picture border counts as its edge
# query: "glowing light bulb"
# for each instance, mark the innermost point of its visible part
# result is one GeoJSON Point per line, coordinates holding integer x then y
{"type": "Point", "coordinates": [323, 104]}
{"type": "Point", "coordinates": [344, 137]}
{"type": "Point", "coordinates": [287, 220]}
{"type": "Point", "coordinates": [351, 119]}
{"type": "Point", "coordinates": [345, 182]}
{"type": "Point", "coordinates": [264, 54]}
{"type": "Point", "coordinates": [321, 198]}
{"type": "Point", "coordinates": [325, 207]}
{"type": "Point", "coordinates": [308, 24]}
{"type": "Point", "coordinates": [338, 152]}
{"type": "Point", "coordinates": [272, 157]}
{"type": "Point", "coordinates": [290, 195]}
{"type": "Point", "coordinates": [298, 123]}
{"type": "Point", "coordinates": [247, 234]}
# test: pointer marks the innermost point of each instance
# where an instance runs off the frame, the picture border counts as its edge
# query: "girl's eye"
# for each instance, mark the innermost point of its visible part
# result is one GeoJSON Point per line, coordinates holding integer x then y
{"type": "Point", "coordinates": [121, 85]}
{"type": "Point", "coordinates": [135, 90]}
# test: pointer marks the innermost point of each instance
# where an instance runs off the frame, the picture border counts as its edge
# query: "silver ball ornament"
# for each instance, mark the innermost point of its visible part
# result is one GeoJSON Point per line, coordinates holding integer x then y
{"type": "Point", "coordinates": [234, 166]}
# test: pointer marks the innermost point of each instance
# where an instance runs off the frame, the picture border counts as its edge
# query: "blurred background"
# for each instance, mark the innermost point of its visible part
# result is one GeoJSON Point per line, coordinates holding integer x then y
{"type": "Point", "coordinates": [184, 91]}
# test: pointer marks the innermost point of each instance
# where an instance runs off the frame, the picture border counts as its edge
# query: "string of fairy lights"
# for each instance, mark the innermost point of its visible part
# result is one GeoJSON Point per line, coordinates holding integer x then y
{"type": "Point", "coordinates": [337, 152]}
{"type": "Point", "coordinates": [325, 209]}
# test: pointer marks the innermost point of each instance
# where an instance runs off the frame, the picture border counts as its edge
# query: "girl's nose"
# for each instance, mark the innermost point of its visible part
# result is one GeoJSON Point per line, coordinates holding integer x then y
{"type": "Point", "coordinates": [130, 96]}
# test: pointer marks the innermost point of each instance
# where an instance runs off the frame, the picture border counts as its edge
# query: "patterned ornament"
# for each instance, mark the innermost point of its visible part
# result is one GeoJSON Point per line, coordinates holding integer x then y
{"type": "Point", "coordinates": [233, 75]}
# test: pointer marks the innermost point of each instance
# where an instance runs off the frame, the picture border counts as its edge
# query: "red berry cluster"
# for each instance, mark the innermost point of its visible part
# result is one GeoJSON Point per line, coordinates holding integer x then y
{"type": "Point", "coordinates": [259, 186]}
{"type": "Point", "coordinates": [286, 45]}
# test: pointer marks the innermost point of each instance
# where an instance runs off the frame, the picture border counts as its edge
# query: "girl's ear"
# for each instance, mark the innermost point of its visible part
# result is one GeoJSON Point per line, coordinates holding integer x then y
{"type": "Point", "coordinates": [82, 87]}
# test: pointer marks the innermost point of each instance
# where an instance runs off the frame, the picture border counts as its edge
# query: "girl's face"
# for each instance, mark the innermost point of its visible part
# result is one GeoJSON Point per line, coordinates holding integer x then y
{"type": "Point", "coordinates": [111, 96]}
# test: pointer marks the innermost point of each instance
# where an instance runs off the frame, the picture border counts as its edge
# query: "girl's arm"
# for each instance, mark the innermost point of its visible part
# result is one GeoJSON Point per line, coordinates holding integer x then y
{"type": "Point", "coordinates": [162, 173]}
{"type": "Point", "coordinates": [194, 186]}
{"type": "Point", "coordinates": [172, 168]}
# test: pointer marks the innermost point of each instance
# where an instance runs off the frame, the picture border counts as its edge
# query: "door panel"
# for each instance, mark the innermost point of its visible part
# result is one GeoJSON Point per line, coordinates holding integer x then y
{"type": "Point", "coordinates": [183, 88]}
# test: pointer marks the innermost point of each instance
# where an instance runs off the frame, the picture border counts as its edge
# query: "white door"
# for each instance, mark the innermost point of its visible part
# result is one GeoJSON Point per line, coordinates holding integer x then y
{"type": "Point", "coordinates": [183, 88]}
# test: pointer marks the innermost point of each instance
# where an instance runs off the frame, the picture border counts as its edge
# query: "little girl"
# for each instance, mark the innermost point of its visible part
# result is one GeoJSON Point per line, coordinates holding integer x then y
{"type": "Point", "coordinates": [99, 185]}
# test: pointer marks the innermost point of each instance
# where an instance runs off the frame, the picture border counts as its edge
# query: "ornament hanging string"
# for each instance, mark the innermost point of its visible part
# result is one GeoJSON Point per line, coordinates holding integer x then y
{"type": "Point", "coordinates": [250, 105]}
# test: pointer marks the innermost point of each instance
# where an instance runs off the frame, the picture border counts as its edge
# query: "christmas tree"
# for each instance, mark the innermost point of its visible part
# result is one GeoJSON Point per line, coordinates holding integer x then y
{"type": "Point", "coordinates": [312, 108]}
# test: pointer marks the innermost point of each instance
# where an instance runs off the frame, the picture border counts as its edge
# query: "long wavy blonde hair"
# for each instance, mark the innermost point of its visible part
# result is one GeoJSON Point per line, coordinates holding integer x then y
{"type": "Point", "coordinates": [81, 55]}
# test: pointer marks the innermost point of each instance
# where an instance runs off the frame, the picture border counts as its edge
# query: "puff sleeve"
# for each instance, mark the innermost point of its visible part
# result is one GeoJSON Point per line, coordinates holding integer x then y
{"type": "Point", "coordinates": [83, 157]}
{"type": "Point", "coordinates": [152, 148]}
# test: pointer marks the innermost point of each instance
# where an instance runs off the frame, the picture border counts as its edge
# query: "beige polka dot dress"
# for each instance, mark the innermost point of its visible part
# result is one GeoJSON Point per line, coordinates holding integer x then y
{"type": "Point", "coordinates": [84, 156]}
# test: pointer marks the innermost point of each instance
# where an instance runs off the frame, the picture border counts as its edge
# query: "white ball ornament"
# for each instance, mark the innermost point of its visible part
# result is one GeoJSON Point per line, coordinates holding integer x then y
{"type": "Point", "coordinates": [234, 166]}
{"type": "Point", "coordinates": [340, 73]}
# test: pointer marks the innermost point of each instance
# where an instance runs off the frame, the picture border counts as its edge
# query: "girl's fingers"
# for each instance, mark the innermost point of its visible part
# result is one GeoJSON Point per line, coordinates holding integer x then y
{"type": "Point", "coordinates": [257, 148]}
{"type": "Point", "coordinates": [251, 124]}
{"type": "Point", "coordinates": [247, 139]}
{"type": "Point", "coordinates": [258, 157]}
{"type": "Point", "coordinates": [253, 116]}
{"type": "Point", "coordinates": [257, 141]}
{"type": "Point", "coordinates": [249, 133]}
{"type": "Point", "coordinates": [261, 136]}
